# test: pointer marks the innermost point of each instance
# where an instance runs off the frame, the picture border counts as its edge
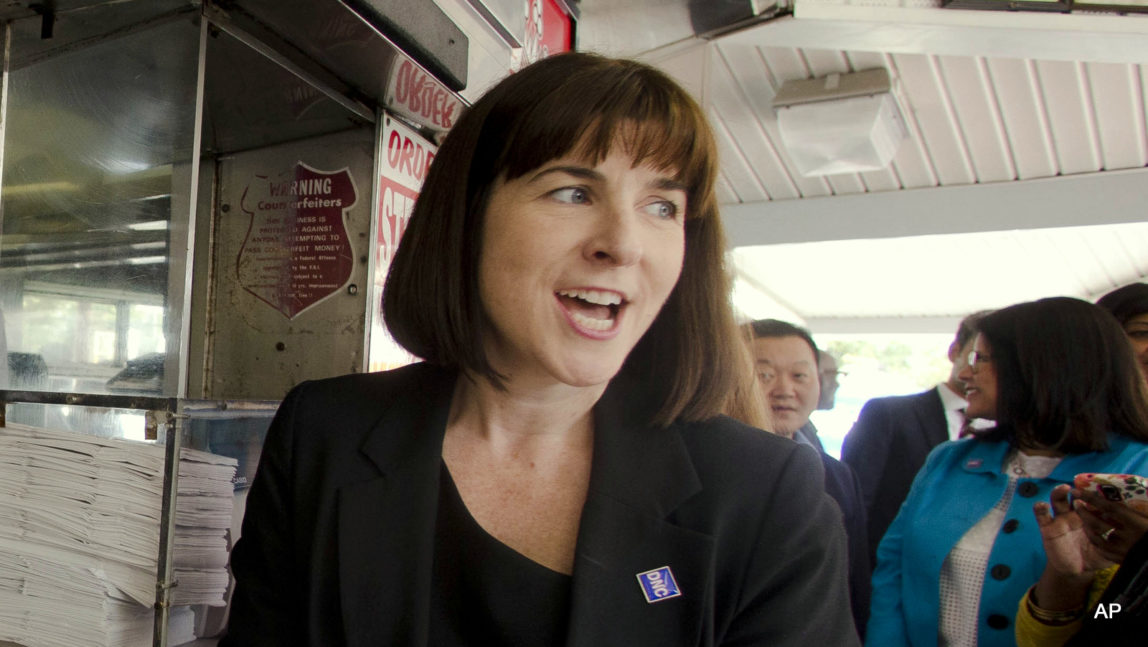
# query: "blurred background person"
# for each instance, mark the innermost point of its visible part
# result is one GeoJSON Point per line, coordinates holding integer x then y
{"type": "Point", "coordinates": [893, 435]}
{"type": "Point", "coordinates": [1129, 305]}
{"type": "Point", "coordinates": [786, 362]}
{"type": "Point", "coordinates": [829, 374]}
{"type": "Point", "coordinates": [1058, 378]}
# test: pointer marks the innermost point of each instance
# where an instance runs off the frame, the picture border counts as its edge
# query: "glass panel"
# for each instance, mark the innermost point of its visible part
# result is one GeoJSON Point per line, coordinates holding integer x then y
{"type": "Point", "coordinates": [99, 138]}
{"type": "Point", "coordinates": [145, 330]}
{"type": "Point", "coordinates": [94, 421]}
{"type": "Point", "coordinates": [75, 336]}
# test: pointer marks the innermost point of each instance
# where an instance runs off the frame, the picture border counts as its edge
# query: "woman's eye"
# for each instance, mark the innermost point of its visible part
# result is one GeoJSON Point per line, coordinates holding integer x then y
{"type": "Point", "coordinates": [663, 209]}
{"type": "Point", "coordinates": [571, 195]}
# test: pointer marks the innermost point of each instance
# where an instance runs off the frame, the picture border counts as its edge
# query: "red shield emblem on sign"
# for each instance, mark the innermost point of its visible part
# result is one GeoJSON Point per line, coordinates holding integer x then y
{"type": "Point", "coordinates": [296, 252]}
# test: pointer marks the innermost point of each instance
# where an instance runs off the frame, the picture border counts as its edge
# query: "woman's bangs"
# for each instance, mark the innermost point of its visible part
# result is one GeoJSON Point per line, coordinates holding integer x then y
{"type": "Point", "coordinates": [670, 139]}
{"type": "Point", "coordinates": [656, 124]}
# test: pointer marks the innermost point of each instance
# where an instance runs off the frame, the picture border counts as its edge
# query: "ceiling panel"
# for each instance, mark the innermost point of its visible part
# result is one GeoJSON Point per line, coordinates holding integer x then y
{"type": "Point", "coordinates": [930, 106]}
{"type": "Point", "coordinates": [1119, 112]}
{"type": "Point", "coordinates": [1070, 116]}
{"type": "Point", "coordinates": [971, 119]}
{"type": "Point", "coordinates": [1023, 117]}
{"type": "Point", "coordinates": [1017, 121]}
{"type": "Point", "coordinates": [736, 168]}
{"type": "Point", "coordinates": [736, 98]}
{"type": "Point", "coordinates": [979, 120]}
{"type": "Point", "coordinates": [725, 194]}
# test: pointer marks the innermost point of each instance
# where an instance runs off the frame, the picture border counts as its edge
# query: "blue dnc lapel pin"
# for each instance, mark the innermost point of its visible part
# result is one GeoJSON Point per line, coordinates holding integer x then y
{"type": "Point", "coordinates": [658, 585]}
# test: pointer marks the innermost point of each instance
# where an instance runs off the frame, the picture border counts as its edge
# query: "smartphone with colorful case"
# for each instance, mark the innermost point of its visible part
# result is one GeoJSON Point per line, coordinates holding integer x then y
{"type": "Point", "coordinates": [1127, 488]}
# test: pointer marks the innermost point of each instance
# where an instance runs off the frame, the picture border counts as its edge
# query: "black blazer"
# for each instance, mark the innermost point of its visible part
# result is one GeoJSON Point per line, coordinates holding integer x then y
{"type": "Point", "coordinates": [842, 486]}
{"type": "Point", "coordinates": [886, 447]}
{"type": "Point", "coordinates": [337, 545]}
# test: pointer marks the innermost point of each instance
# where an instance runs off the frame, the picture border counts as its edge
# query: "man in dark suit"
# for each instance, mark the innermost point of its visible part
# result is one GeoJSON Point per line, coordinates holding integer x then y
{"type": "Point", "coordinates": [786, 360]}
{"type": "Point", "coordinates": [893, 435]}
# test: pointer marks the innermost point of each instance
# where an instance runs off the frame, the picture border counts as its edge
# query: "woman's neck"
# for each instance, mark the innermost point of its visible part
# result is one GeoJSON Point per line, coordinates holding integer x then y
{"type": "Point", "coordinates": [1040, 451]}
{"type": "Point", "coordinates": [1032, 448]}
{"type": "Point", "coordinates": [517, 419]}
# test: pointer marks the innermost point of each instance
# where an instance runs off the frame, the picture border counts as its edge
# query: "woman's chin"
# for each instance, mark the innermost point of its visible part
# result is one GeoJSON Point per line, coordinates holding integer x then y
{"type": "Point", "coordinates": [980, 414]}
{"type": "Point", "coordinates": [590, 378]}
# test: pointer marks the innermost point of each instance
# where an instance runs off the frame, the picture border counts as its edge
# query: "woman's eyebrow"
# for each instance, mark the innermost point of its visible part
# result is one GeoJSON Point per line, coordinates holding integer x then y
{"type": "Point", "coordinates": [576, 171]}
{"type": "Point", "coordinates": [663, 183]}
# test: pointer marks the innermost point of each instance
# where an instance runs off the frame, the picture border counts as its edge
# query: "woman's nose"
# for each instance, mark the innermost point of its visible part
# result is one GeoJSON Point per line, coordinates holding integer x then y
{"type": "Point", "coordinates": [616, 237]}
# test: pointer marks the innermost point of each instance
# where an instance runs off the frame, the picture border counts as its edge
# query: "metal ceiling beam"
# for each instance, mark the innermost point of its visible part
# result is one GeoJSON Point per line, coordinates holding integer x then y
{"type": "Point", "coordinates": [1112, 197]}
{"type": "Point", "coordinates": [932, 30]}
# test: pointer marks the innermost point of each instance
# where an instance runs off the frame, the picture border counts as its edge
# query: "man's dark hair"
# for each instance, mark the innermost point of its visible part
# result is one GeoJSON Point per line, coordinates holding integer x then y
{"type": "Point", "coordinates": [771, 328]}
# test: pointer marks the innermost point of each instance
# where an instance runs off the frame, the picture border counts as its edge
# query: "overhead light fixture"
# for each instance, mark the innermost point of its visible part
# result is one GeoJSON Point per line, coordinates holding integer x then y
{"type": "Point", "coordinates": [841, 123]}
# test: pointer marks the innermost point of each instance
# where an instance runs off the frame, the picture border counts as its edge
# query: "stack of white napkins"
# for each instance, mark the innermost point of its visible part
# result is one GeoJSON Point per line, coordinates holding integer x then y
{"type": "Point", "coordinates": [79, 538]}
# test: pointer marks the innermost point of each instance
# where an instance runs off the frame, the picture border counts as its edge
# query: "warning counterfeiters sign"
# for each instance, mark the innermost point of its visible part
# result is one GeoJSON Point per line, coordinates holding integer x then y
{"type": "Point", "coordinates": [296, 252]}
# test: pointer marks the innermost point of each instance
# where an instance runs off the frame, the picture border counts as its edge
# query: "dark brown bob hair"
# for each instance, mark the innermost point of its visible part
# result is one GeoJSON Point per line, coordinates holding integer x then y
{"type": "Point", "coordinates": [582, 105]}
{"type": "Point", "coordinates": [1066, 376]}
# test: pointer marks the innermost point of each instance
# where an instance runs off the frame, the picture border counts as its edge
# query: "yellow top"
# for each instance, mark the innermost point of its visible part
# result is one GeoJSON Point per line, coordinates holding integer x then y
{"type": "Point", "coordinates": [1031, 632]}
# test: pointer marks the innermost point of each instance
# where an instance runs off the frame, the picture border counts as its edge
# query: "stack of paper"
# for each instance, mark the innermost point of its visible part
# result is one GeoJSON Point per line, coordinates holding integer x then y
{"type": "Point", "coordinates": [79, 537]}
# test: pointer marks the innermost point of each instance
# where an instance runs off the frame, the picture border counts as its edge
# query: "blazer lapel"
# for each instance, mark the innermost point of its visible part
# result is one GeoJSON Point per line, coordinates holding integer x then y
{"type": "Point", "coordinates": [639, 476]}
{"type": "Point", "coordinates": [386, 525]}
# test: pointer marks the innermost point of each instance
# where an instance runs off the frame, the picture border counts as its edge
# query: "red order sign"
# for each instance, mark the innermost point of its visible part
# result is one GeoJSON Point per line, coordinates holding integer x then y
{"type": "Point", "coordinates": [405, 158]}
{"type": "Point", "coordinates": [420, 97]}
{"type": "Point", "coordinates": [548, 30]}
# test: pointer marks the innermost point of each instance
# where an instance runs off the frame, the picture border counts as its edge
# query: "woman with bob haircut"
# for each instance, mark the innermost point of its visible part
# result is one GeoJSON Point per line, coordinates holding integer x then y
{"type": "Point", "coordinates": [1058, 377]}
{"type": "Point", "coordinates": [556, 471]}
{"type": "Point", "coordinates": [1097, 550]}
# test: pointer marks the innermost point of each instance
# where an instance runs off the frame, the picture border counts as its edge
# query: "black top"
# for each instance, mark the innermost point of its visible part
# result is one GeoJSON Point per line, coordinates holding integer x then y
{"type": "Point", "coordinates": [486, 593]}
{"type": "Point", "coordinates": [338, 546]}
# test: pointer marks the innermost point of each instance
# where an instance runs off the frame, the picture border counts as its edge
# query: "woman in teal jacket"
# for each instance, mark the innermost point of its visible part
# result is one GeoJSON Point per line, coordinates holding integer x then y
{"type": "Point", "coordinates": [1060, 379]}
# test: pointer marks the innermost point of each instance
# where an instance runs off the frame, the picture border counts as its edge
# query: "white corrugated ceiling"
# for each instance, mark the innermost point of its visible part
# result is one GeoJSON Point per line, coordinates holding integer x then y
{"type": "Point", "coordinates": [1024, 175]}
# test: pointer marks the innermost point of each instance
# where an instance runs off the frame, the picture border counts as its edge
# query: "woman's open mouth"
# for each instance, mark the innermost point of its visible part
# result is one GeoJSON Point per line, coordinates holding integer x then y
{"type": "Point", "coordinates": [592, 310]}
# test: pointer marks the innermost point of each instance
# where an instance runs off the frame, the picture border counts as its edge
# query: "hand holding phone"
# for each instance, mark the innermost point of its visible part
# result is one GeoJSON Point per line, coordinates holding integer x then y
{"type": "Point", "coordinates": [1129, 489]}
{"type": "Point", "coordinates": [1114, 509]}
